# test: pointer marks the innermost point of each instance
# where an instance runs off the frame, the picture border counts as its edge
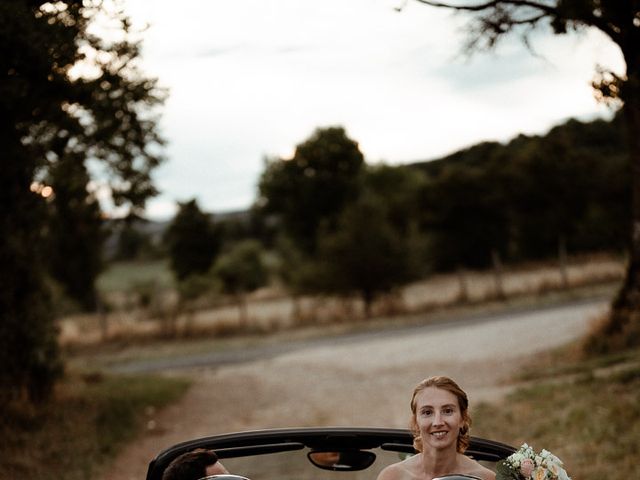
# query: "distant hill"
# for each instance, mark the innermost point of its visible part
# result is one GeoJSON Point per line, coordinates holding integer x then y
{"type": "Point", "coordinates": [604, 136]}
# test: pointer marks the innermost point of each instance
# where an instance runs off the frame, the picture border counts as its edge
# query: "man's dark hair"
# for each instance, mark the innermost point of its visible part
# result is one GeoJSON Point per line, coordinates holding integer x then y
{"type": "Point", "coordinates": [190, 466]}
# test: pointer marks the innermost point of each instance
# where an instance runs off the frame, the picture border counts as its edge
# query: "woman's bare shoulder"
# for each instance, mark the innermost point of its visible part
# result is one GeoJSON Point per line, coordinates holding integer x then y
{"type": "Point", "coordinates": [474, 469]}
{"type": "Point", "coordinates": [397, 471]}
{"type": "Point", "coordinates": [487, 474]}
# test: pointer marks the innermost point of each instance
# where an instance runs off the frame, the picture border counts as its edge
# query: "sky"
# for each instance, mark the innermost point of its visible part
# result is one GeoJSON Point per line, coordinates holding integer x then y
{"type": "Point", "coordinates": [251, 79]}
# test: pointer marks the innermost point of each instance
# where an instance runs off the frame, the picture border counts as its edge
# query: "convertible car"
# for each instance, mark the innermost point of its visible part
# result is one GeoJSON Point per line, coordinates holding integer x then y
{"type": "Point", "coordinates": [315, 453]}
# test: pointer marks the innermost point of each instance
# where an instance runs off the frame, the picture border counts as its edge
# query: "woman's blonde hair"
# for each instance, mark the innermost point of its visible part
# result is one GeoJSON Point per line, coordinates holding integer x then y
{"type": "Point", "coordinates": [445, 383]}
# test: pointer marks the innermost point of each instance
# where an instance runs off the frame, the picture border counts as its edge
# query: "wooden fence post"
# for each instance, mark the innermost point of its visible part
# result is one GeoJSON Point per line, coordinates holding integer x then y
{"type": "Point", "coordinates": [497, 272]}
{"type": "Point", "coordinates": [562, 257]}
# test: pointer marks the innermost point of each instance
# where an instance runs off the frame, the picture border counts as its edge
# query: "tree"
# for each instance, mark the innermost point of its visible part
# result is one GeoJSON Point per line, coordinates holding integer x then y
{"type": "Point", "coordinates": [313, 187]}
{"type": "Point", "coordinates": [557, 191]}
{"type": "Point", "coordinates": [76, 232]}
{"type": "Point", "coordinates": [241, 271]}
{"type": "Point", "coordinates": [399, 187]}
{"type": "Point", "coordinates": [365, 254]}
{"type": "Point", "coordinates": [465, 212]}
{"type": "Point", "coordinates": [132, 241]}
{"type": "Point", "coordinates": [66, 94]}
{"type": "Point", "coordinates": [29, 354]}
{"type": "Point", "coordinates": [531, 198]}
{"type": "Point", "coordinates": [191, 241]}
{"type": "Point", "coordinates": [492, 20]}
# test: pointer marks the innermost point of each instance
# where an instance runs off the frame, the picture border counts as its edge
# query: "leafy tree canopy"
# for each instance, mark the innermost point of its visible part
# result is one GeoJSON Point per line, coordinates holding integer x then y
{"type": "Point", "coordinates": [312, 187]}
{"type": "Point", "coordinates": [69, 91]}
{"type": "Point", "coordinates": [366, 254]}
{"type": "Point", "coordinates": [76, 232]}
{"type": "Point", "coordinates": [399, 187]}
{"type": "Point", "coordinates": [242, 269]}
{"type": "Point", "coordinates": [72, 98]}
{"type": "Point", "coordinates": [191, 241]}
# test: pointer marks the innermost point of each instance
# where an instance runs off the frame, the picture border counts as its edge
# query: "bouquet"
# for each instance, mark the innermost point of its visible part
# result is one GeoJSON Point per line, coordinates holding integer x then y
{"type": "Point", "coordinates": [526, 464]}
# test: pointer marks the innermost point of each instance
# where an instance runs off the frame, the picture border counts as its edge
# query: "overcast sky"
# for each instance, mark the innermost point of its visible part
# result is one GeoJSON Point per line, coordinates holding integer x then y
{"type": "Point", "coordinates": [250, 79]}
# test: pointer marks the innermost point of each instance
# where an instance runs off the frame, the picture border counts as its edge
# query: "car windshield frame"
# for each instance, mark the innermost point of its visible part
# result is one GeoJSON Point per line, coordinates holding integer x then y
{"type": "Point", "coordinates": [268, 441]}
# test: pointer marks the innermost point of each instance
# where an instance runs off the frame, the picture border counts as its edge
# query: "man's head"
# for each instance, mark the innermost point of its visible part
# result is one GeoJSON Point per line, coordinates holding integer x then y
{"type": "Point", "coordinates": [194, 465]}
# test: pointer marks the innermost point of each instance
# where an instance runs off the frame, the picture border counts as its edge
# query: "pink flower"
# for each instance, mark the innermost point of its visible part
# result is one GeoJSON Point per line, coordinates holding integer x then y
{"type": "Point", "coordinates": [526, 467]}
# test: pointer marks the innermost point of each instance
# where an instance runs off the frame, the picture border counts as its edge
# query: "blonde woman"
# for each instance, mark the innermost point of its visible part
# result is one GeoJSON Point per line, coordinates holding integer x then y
{"type": "Point", "coordinates": [440, 424]}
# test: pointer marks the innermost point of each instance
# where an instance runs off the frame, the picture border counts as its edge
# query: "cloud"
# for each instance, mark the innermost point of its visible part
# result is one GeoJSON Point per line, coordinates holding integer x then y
{"type": "Point", "coordinates": [252, 78]}
{"type": "Point", "coordinates": [218, 51]}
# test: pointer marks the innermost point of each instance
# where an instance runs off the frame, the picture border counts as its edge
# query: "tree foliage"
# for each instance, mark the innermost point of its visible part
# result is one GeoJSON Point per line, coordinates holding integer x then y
{"type": "Point", "coordinates": [523, 198]}
{"type": "Point", "coordinates": [492, 20]}
{"type": "Point", "coordinates": [191, 241]}
{"type": "Point", "coordinates": [399, 187]}
{"type": "Point", "coordinates": [347, 227]}
{"type": "Point", "coordinates": [465, 216]}
{"type": "Point", "coordinates": [29, 353]}
{"type": "Point", "coordinates": [70, 100]}
{"type": "Point", "coordinates": [242, 269]}
{"type": "Point", "coordinates": [76, 232]}
{"type": "Point", "coordinates": [132, 241]}
{"type": "Point", "coordinates": [312, 188]}
{"type": "Point", "coordinates": [365, 254]}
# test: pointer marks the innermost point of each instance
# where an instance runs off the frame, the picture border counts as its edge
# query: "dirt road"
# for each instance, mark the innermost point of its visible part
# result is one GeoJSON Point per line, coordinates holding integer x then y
{"type": "Point", "coordinates": [365, 383]}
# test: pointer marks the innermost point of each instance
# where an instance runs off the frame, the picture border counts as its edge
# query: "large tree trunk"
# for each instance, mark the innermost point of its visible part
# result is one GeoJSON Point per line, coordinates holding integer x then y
{"type": "Point", "coordinates": [29, 352]}
{"type": "Point", "coordinates": [623, 325]}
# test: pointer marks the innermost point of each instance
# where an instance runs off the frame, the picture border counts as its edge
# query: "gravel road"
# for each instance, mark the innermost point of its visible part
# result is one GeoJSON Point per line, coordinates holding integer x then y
{"type": "Point", "coordinates": [360, 380]}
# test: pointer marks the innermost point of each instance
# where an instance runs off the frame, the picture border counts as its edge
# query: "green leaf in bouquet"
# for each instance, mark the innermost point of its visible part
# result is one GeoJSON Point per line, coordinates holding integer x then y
{"type": "Point", "coordinates": [504, 471]}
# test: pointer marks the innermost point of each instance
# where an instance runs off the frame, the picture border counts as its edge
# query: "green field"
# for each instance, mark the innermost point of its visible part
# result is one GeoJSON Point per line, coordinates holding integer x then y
{"type": "Point", "coordinates": [121, 276]}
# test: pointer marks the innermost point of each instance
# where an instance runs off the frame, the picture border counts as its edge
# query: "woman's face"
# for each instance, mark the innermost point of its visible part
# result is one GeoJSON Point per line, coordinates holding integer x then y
{"type": "Point", "coordinates": [439, 418]}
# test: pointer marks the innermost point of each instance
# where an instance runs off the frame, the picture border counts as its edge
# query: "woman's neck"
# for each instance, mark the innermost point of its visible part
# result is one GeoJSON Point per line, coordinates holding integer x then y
{"type": "Point", "coordinates": [436, 463]}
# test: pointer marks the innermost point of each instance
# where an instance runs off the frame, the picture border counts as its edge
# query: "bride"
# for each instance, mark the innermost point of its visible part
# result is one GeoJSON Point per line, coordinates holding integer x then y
{"type": "Point", "coordinates": [440, 424]}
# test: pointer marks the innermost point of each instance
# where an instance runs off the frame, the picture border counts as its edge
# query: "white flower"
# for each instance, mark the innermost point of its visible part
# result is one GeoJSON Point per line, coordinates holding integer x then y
{"type": "Point", "coordinates": [550, 457]}
{"type": "Point", "coordinates": [546, 465]}
{"type": "Point", "coordinates": [562, 474]}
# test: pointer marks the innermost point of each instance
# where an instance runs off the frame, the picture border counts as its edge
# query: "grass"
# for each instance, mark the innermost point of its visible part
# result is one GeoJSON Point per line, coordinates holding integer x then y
{"type": "Point", "coordinates": [592, 422]}
{"type": "Point", "coordinates": [83, 427]}
{"type": "Point", "coordinates": [569, 361]}
{"type": "Point", "coordinates": [123, 276]}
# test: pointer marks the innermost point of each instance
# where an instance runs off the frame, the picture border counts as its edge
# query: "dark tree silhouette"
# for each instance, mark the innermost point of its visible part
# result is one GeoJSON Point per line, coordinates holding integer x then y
{"type": "Point", "coordinates": [76, 232]}
{"type": "Point", "coordinates": [466, 214]}
{"type": "Point", "coordinates": [312, 188]}
{"type": "Point", "coordinates": [191, 241]}
{"type": "Point", "coordinates": [365, 255]}
{"type": "Point", "coordinates": [66, 95]}
{"type": "Point", "coordinates": [491, 20]}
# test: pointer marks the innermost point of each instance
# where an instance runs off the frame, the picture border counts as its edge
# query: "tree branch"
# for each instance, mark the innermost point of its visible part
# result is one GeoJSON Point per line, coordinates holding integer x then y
{"type": "Point", "coordinates": [587, 18]}
{"type": "Point", "coordinates": [529, 21]}
{"type": "Point", "coordinates": [547, 9]}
